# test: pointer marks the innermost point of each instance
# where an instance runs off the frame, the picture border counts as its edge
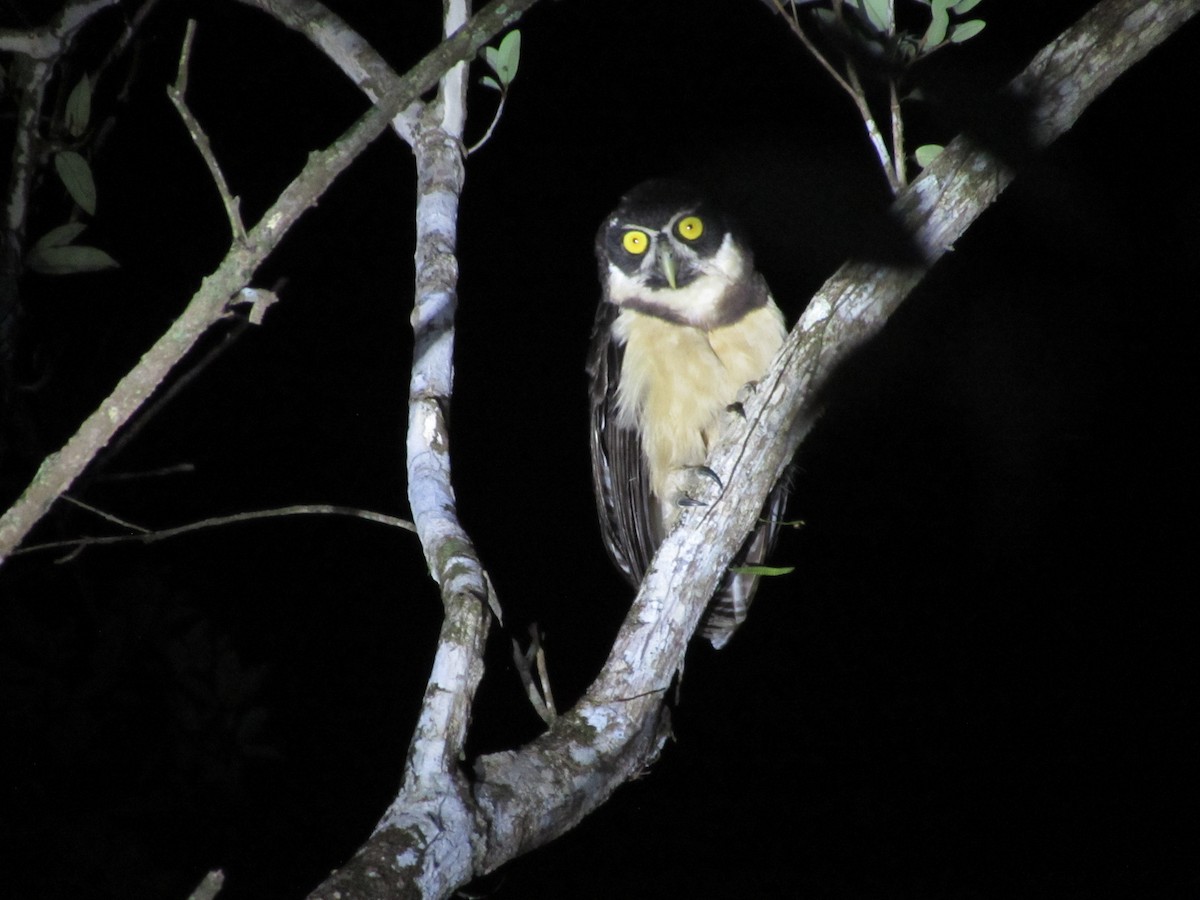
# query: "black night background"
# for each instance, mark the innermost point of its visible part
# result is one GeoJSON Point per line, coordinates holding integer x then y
{"type": "Point", "coordinates": [977, 682]}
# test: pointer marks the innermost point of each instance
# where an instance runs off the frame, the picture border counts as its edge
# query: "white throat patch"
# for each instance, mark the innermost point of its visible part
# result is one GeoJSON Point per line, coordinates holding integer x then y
{"type": "Point", "coordinates": [697, 303]}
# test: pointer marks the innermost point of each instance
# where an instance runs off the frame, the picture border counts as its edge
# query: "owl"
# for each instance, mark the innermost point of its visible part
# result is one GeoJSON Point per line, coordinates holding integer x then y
{"type": "Point", "coordinates": [685, 323]}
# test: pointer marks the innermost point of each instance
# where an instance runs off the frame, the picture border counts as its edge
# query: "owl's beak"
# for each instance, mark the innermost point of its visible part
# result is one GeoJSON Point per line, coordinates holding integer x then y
{"type": "Point", "coordinates": [666, 261]}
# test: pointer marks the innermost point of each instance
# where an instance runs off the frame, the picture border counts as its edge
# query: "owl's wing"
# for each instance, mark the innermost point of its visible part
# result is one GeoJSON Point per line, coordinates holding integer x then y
{"type": "Point", "coordinates": [729, 606]}
{"type": "Point", "coordinates": [629, 519]}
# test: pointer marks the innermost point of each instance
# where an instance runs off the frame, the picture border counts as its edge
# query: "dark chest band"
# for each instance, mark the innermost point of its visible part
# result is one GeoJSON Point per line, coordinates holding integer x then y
{"type": "Point", "coordinates": [739, 300]}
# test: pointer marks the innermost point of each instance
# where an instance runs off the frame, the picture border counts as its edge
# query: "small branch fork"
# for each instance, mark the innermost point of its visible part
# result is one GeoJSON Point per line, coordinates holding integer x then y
{"type": "Point", "coordinates": [891, 159]}
{"type": "Point", "coordinates": [177, 92]}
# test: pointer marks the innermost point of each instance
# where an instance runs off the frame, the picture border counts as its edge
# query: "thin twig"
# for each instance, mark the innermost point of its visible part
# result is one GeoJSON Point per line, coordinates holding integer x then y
{"type": "Point", "coordinates": [176, 469]}
{"type": "Point", "coordinates": [544, 677]}
{"type": "Point", "coordinates": [794, 23]}
{"type": "Point", "coordinates": [147, 413]}
{"type": "Point", "coordinates": [898, 161]}
{"type": "Point", "coordinates": [851, 84]}
{"type": "Point", "coordinates": [121, 95]}
{"type": "Point", "coordinates": [491, 126]}
{"type": "Point", "coordinates": [104, 515]}
{"type": "Point", "coordinates": [876, 136]}
{"type": "Point", "coordinates": [541, 698]}
{"type": "Point", "coordinates": [177, 93]}
{"type": "Point", "coordinates": [898, 164]}
{"type": "Point", "coordinates": [147, 537]}
{"type": "Point", "coordinates": [120, 44]}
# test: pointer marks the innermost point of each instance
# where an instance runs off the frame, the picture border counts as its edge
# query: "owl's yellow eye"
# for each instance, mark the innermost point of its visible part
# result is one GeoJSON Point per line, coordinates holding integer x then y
{"type": "Point", "coordinates": [690, 228]}
{"type": "Point", "coordinates": [635, 242]}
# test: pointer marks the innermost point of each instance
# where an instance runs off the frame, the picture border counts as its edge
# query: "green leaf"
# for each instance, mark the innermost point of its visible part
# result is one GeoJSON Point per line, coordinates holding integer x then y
{"type": "Point", "coordinates": [76, 177]}
{"type": "Point", "coordinates": [966, 30]}
{"type": "Point", "coordinates": [927, 153]}
{"type": "Point", "coordinates": [964, 6]}
{"type": "Point", "coordinates": [509, 56]}
{"type": "Point", "coordinates": [879, 13]}
{"type": "Point", "coordinates": [69, 260]}
{"type": "Point", "coordinates": [504, 59]}
{"type": "Point", "coordinates": [938, 24]}
{"type": "Point", "coordinates": [762, 570]}
{"type": "Point", "coordinates": [489, 82]}
{"type": "Point", "coordinates": [60, 236]}
{"type": "Point", "coordinates": [79, 107]}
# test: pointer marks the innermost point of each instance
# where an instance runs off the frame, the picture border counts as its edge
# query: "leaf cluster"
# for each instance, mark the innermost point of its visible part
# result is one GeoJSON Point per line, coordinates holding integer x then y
{"type": "Point", "coordinates": [877, 26]}
{"type": "Point", "coordinates": [503, 60]}
{"type": "Point", "coordinates": [54, 253]}
{"type": "Point", "coordinates": [870, 29]}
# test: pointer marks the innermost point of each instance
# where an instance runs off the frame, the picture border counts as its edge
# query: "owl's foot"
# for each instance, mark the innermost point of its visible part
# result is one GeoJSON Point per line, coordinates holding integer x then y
{"type": "Point", "coordinates": [737, 409]}
{"type": "Point", "coordinates": [699, 473]}
{"type": "Point", "coordinates": [690, 484]}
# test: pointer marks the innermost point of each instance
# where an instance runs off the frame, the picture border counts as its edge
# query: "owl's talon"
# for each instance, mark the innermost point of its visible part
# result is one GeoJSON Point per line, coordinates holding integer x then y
{"type": "Point", "coordinates": [745, 392]}
{"type": "Point", "coordinates": [690, 483]}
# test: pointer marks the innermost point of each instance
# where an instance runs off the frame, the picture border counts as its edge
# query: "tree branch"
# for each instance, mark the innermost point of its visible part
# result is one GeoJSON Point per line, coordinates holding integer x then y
{"type": "Point", "coordinates": [178, 94]}
{"type": "Point", "coordinates": [49, 41]}
{"type": "Point", "coordinates": [441, 730]}
{"type": "Point", "coordinates": [417, 845]}
{"type": "Point", "coordinates": [357, 59]}
{"type": "Point", "coordinates": [148, 536]}
{"type": "Point", "coordinates": [852, 85]}
{"type": "Point", "coordinates": [59, 470]}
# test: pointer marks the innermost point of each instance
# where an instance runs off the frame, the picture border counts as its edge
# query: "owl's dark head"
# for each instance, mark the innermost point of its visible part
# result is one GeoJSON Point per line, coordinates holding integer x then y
{"type": "Point", "coordinates": [664, 235]}
{"type": "Point", "coordinates": [667, 251]}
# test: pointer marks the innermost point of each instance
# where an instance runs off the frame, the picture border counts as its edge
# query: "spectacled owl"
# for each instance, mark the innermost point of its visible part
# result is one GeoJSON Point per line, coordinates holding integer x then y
{"type": "Point", "coordinates": [684, 324]}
